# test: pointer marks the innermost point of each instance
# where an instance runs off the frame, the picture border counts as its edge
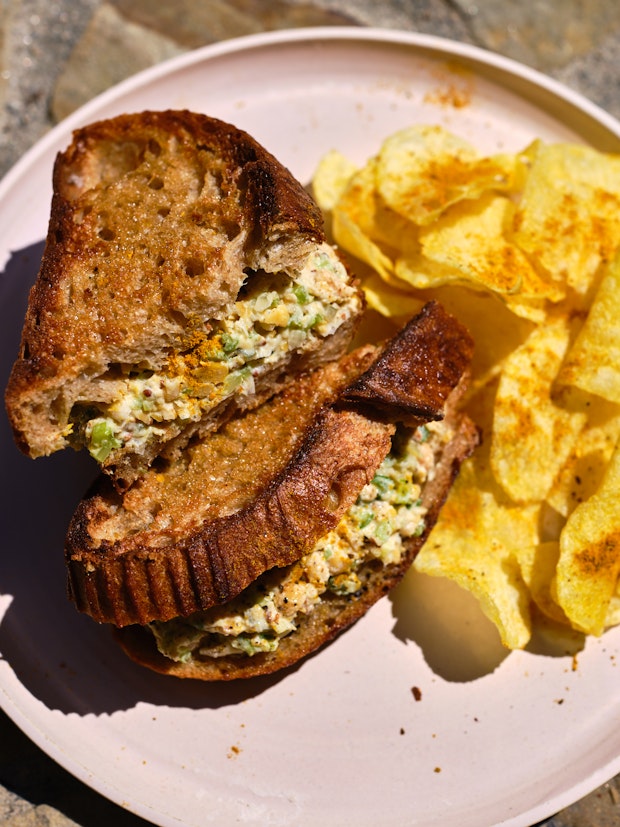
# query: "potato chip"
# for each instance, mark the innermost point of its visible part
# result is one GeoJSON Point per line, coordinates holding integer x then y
{"type": "Point", "coordinates": [525, 250]}
{"type": "Point", "coordinates": [474, 543]}
{"type": "Point", "coordinates": [583, 470]}
{"type": "Point", "coordinates": [568, 219]}
{"type": "Point", "coordinates": [538, 564]}
{"type": "Point", "coordinates": [593, 362]}
{"type": "Point", "coordinates": [365, 228]}
{"type": "Point", "coordinates": [422, 273]}
{"type": "Point", "coordinates": [468, 245]}
{"type": "Point", "coordinates": [363, 205]}
{"type": "Point", "coordinates": [349, 235]}
{"type": "Point", "coordinates": [423, 170]}
{"type": "Point", "coordinates": [331, 178]}
{"type": "Point", "coordinates": [535, 310]}
{"type": "Point", "coordinates": [589, 562]}
{"type": "Point", "coordinates": [612, 618]}
{"type": "Point", "coordinates": [389, 301]}
{"type": "Point", "coordinates": [532, 435]}
{"type": "Point", "coordinates": [358, 200]}
{"type": "Point", "coordinates": [496, 330]}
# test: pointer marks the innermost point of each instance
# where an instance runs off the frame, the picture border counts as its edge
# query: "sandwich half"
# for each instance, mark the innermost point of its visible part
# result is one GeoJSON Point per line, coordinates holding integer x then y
{"type": "Point", "coordinates": [260, 542]}
{"type": "Point", "coordinates": [185, 277]}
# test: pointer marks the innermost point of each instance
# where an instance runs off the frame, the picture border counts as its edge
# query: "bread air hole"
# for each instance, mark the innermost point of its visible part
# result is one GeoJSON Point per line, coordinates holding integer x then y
{"type": "Point", "coordinates": [119, 483]}
{"type": "Point", "coordinates": [231, 228]}
{"type": "Point", "coordinates": [333, 498]}
{"type": "Point", "coordinates": [80, 215]}
{"type": "Point", "coordinates": [194, 267]}
{"type": "Point", "coordinates": [106, 234]}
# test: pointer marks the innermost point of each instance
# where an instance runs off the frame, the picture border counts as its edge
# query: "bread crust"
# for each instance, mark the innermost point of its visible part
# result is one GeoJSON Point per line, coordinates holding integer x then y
{"type": "Point", "coordinates": [335, 612]}
{"type": "Point", "coordinates": [131, 573]}
{"type": "Point", "coordinates": [418, 370]}
{"type": "Point", "coordinates": [156, 219]}
{"type": "Point", "coordinates": [288, 499]}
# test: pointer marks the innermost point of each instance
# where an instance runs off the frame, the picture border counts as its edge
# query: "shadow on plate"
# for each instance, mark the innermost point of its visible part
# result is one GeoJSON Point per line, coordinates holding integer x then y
{"type": "Point", "coordinates": [60, 656]}
{"type": "Point", "coordinates": [458, 641]}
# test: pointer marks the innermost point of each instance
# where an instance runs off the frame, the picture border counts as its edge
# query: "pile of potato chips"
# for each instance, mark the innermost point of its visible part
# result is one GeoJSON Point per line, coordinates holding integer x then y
{"type": "Point", "coordinates": [524, 248]}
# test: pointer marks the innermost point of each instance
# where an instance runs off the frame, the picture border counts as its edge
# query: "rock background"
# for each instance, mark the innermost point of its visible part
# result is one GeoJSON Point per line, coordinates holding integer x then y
{"type": "Point", "coordinates": [57, 54]}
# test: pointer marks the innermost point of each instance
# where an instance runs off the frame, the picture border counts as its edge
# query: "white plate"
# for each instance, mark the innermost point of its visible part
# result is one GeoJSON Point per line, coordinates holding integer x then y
{"type": "Point", "coordinates": [495, 738]}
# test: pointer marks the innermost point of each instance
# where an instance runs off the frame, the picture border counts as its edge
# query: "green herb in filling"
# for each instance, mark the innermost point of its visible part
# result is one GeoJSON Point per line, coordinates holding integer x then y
{"type": "Point", "coordinates": [387, 512]}
{"type": "Point", "coordinates": [102, 441]}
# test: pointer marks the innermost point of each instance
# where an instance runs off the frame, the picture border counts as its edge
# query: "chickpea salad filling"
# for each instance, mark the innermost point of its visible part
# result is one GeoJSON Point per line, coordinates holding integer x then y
{"type": "Point", "coordinates": [388, 512]}
{"type": "Point", "coordinates": [279, 313]}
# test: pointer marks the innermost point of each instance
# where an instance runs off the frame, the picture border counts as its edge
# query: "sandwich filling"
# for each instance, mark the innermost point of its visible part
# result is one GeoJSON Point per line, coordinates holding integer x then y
{"type": "Point", "coordinates": [373, 532]}
{"type": "Point", "coordinates": [273, 316]}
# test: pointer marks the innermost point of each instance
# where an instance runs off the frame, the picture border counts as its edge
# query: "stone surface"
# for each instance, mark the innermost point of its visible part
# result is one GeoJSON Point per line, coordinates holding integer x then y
{"type": "Point", "coordinates": [599, 809]}
{"type": "Point", "coordinates": [17, 812]}
{"type": "Point", "coordinates": [194, 24]}
{"type": "Point", "coordinates": [4, 72]}
{"type": "Point", "coordinates": [576, 42]}
{"type": "Point", "coordinates": [437, 17]}
{"type": "Point", "coordinates": [123, 37]}
{"type": "Point", "coordinates": [545, 34]}
{"type": "Point", "coordinates": [110, 50]}
{"type": "Point", "coordinates": [595, 74]}
{"type": "Point", "coordinates": [56, 55]}
{"type": "Point", "coordinates": [38, 38]}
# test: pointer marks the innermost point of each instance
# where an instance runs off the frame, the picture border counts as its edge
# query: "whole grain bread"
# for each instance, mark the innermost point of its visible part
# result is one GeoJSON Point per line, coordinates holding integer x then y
{"type": "Point", "coordinates": [258, 493]}
{"type": "Point", "coordinates": [158, 221]}
{"type": "Point", "coordinates": [261, 491]}
{"type": "Point", "coordinates": [335, 612]}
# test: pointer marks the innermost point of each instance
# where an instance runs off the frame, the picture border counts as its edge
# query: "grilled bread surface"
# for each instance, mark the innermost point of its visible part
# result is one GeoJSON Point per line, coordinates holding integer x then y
{"type": "Point", "coordinates": [259, 494]}
{"type": "Point", "coordinates": [159, 222]}
{"type": "Point", "coordinates": [334, 613]}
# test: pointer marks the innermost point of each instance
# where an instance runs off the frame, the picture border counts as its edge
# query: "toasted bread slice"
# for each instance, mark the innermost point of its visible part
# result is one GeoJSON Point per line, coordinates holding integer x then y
{"type": "Point", "coordinates": [185, 277]}
{"type": "Point", "coordinates": [193, 532]}
{"type": "Point", "coordinates": [257, 495]}
{"type": "Point", "coordinates": [333, 612]}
